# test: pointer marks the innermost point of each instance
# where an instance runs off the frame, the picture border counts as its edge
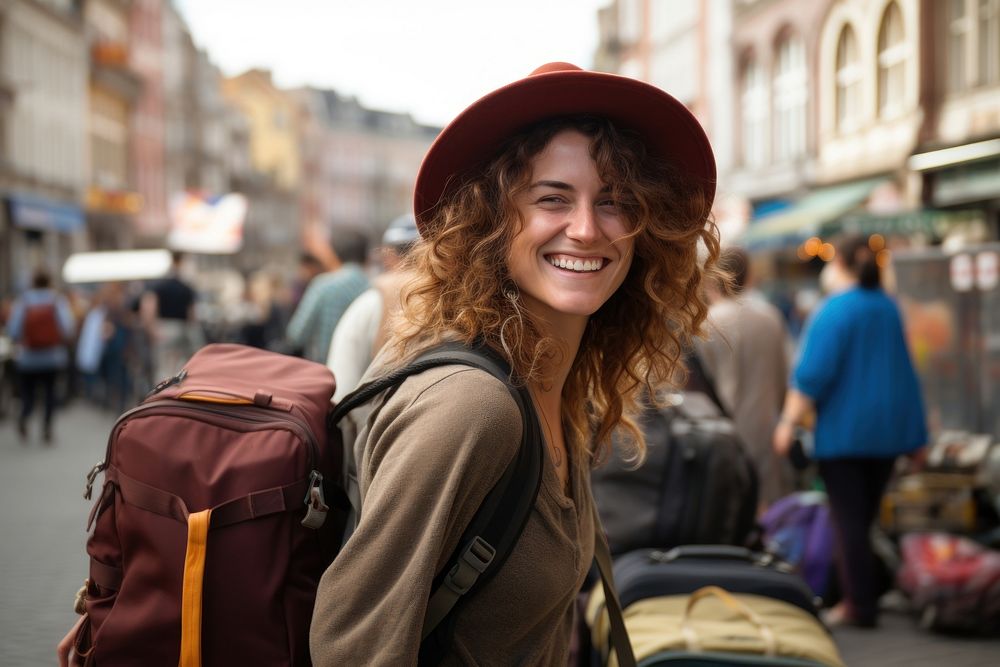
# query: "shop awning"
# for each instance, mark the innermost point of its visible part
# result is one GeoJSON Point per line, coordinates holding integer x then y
{"type": "Point", "coordinates": [807, 216]}
{"type": "Point", "coordinates": [38, 213]}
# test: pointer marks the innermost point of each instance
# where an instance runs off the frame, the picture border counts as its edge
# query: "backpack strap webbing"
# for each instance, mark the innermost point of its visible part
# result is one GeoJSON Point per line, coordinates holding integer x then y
{"type": "Point", "coordinates": [498, 523]}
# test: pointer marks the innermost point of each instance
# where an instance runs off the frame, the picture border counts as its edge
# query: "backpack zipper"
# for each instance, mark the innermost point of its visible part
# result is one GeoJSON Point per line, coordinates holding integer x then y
{"type": "Point", "coordinates": [245, 413]}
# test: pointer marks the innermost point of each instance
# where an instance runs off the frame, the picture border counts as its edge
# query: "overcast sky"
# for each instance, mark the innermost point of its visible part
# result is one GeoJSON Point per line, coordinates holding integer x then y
{"type": "Point", "coordinates": [427, 57]}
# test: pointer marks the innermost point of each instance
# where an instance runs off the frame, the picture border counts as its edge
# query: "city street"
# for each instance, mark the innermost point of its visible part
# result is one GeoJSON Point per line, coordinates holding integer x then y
{"type": "Point", "coordinates": [43, 515]}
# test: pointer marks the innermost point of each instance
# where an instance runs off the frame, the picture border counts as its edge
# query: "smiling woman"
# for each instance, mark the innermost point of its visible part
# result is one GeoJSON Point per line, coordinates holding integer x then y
{"type": "Point", "coordinates": [572, 250]}
{"type": "Point", "coordinates": [561, 220]}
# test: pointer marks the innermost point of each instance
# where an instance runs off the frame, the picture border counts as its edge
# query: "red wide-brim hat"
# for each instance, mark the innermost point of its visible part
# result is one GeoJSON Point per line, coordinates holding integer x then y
{"type": "Point", "coordinates": [671, 132]}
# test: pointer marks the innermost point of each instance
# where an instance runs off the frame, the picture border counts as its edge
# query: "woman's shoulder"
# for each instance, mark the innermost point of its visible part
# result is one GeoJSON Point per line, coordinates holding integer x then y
{"type": "Point", "coordinates": [445, 421]}
{"type": "Point", "coordinates": [455, 391]}
{"type": "Point", "coordinates": [451, 402]}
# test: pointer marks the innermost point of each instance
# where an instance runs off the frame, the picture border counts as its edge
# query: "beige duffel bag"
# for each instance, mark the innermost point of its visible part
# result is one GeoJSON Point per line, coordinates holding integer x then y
{"type": "Point", "coordinates": [712, 620]}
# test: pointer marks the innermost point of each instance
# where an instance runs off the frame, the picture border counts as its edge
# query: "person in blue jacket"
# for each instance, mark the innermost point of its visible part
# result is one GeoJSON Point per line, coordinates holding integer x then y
{"type": "Point", "coordinates": [854, 370]}
{"type": "Point", "coordinates": [41, 324]}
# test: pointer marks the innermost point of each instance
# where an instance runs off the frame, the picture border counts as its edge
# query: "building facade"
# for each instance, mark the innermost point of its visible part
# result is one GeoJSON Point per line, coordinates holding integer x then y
{"type": "Point", "coordinates": [270, 118]}
{"type": "Point", "coordinates": [684, 49]}
{"type": "Point", "coordinates": [148, 145]}
{"type": "Point", "coordinates": [111, 201]}
{"type": "Point", "coordinates": [43, 135]}
{"type": "Point", "coordinates": [958, 158]}
{"type": "Point", "coordinates": [363, 173]}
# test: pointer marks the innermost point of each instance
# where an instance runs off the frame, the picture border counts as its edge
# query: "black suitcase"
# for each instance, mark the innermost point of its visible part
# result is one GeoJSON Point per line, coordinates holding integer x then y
{"type": "Point", "coordinates": [698, 484]}
{"type": "Point", "coordinates": [650, 573]}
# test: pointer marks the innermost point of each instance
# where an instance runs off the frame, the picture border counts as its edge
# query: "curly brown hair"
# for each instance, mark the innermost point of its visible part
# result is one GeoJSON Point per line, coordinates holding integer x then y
{"type": "Point", "coordinates": [462, 287]}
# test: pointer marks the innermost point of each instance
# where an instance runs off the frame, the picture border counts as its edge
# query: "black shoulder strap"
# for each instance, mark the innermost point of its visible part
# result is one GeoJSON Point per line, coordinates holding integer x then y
{"type": "Point", "coordinates": [695, 365]}
{"type": "Point", "coordinates": [494, 530]}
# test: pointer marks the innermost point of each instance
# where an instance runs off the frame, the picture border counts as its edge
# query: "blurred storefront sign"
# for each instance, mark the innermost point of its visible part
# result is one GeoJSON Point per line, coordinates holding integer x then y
{"type": "Point", "coordinates": [931, 222]}
{"type": "Point", "coordinates": [113, 201]}
{"type": "Point", "coordinates": [207, 224]}
{"type": "Point", "coordinates": [806, 217]}
{"type": "Point", "coordinates": [44, 215]}
{"type": "Point", "coordinates": [965, 175]}
{"type": "Point", "coordinates": [973, 182]}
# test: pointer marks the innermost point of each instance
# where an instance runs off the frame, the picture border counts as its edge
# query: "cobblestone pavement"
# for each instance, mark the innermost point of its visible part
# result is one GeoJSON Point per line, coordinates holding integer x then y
{"type": "Point", "coordinates": [42, 521]}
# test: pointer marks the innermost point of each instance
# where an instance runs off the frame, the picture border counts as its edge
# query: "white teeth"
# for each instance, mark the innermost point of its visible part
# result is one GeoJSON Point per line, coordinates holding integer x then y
{"type": "Point", "coordinates": [580, 265]}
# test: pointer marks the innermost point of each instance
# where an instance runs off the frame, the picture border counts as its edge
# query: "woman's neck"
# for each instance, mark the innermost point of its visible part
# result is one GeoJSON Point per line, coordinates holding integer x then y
{"type": "Point", "coordinates": [548, 388]}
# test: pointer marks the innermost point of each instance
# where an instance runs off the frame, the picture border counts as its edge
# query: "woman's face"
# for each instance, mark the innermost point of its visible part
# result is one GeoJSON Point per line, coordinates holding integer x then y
{"type": "Point", "coordinates": [571, 253]}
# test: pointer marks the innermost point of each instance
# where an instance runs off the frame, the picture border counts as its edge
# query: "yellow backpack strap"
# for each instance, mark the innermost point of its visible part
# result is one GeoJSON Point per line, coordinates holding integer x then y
{"type": "Point", "coordinates": [194, 574]}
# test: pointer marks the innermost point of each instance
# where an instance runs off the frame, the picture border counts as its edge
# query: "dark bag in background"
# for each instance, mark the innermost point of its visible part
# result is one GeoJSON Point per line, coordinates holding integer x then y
{"type": "Point", "coordinates": [698, 484]}
{"type": "Point", "coordinates": [799, 529]}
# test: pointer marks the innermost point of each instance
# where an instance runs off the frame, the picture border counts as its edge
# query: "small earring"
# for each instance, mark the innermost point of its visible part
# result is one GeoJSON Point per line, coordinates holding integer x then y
{"type": "Point", "coordinates": [510, 290]}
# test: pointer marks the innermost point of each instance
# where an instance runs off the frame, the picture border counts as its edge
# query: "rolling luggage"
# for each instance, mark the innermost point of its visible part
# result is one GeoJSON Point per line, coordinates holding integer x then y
{"type": "Point", "coordinates": [713, 605]}
{"type": "Point", "coordinates": [698, 484]}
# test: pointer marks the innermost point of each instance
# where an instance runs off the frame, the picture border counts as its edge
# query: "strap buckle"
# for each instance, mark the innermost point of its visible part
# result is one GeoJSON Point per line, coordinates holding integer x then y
{"type": "Point", "coordinates": [91, 476]}
{"type": "Point", "coordinates": [473, 561]}
{"type": "Point", "coordinates": [315, 502]}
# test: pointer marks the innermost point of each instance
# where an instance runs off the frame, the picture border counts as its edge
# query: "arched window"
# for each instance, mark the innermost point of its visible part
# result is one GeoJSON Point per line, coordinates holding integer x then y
{"type": "Point", "coordinates": [790, 91]}
{"type": "Point", "coordinates": [989, 41]}
{"type": "Point", "coordinates": [848, 78]}
{"type": "Point", "coordinates": [753, 102]}
{"type": "Point", "coordinates": [958, 45]}
{"type": "Point", "coordinates": [892, 52]}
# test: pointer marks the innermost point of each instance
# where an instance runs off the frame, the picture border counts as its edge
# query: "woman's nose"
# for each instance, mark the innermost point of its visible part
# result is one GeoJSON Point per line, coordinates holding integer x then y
{"type": "Point", "coordinates": [583, 225]}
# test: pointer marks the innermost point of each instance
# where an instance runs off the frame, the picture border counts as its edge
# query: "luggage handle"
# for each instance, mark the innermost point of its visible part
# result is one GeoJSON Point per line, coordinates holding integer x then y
{"type": "Point", "coordinates": [712, 551]}
{"type": "Point", "coordinates": [691, 637]}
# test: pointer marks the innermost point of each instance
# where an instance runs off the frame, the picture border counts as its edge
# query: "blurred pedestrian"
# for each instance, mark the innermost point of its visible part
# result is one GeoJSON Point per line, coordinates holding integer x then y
{"type": "Point", "coordinates": [745, 359]}
{"type": "Point", "coordinates": [309, 267]}
{"type": "Point", "coordinates": [855, 371]}
{"type": "Point", "coordinates": [90, 347]}
{"type": "Point", "coordinates": [41, 324]}
{"type": "Point", "coordinates": [175, 331]}
{"type": "Point", "coordinates": [329, 294]}
{"type": "Point", "coordinates": [118, 357]}
{"type": "Point", "coordinates": [567, 243]}
{"type": "Point", "coordinates": [264, 321]}
{"type": "Point", "coordinates": [363, 329]}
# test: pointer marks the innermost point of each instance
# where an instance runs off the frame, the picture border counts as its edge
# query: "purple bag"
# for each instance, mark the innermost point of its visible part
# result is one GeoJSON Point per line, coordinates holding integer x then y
{"type": "Point", "coordinates": [798, 528]}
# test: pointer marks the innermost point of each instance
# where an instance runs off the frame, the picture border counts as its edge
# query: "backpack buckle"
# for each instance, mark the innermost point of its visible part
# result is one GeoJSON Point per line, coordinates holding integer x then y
{"type": "Point", "coordinates": [474, 560]}
{"type": "Point", "coordinates": [91, 476]}
{"type": "Point", "coordinates": [316, 507]}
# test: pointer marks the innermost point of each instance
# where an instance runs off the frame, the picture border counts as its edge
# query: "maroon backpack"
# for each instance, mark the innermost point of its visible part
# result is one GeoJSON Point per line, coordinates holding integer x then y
{"type": "Point", "coordinates": [41, 326]}
{"type": "Point", "coordinates": [212, 528]}
{"type": "Point", "coordinates": [230, 455]}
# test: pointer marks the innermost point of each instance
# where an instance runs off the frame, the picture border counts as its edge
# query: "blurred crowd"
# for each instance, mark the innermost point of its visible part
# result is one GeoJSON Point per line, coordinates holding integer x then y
{"type": "Point", "coordinates": [109, 343]}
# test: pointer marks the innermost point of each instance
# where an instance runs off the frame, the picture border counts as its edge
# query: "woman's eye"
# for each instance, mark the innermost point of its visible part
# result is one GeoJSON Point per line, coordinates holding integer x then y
{"type": "Point", "coordinates": [608, 203]}
{"type": "Point", "coordinates": [551, 199]}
